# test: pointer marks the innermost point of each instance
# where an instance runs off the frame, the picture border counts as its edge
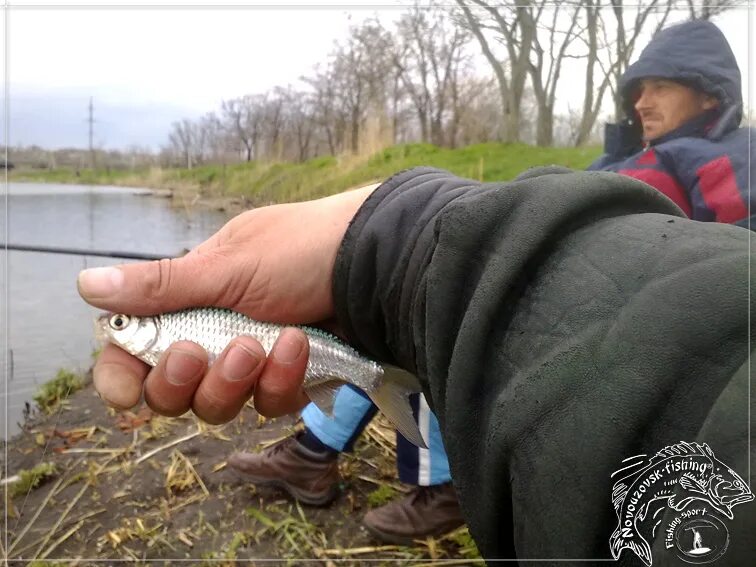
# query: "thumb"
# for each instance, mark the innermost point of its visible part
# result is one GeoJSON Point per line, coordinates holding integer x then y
{"type": "Point", "coordinates": [147, 288]}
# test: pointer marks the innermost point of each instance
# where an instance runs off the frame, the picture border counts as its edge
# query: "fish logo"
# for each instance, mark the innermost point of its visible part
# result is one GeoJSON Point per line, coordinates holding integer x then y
{"type": "Point", "coordinates": [675, 477]}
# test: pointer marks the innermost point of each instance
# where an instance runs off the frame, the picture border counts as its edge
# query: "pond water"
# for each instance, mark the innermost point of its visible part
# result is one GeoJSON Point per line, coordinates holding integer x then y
{"type": "Point", "coordinates": [44, 324]}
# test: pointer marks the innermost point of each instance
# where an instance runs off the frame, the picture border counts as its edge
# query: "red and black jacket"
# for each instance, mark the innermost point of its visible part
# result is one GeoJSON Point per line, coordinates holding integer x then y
{"type": "Point", "coordinates": [704, 166]}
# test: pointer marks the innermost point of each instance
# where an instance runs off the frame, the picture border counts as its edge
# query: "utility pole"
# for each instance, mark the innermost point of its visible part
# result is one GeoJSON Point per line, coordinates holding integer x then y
{"type": "Point", "coordinates": [91, 134]}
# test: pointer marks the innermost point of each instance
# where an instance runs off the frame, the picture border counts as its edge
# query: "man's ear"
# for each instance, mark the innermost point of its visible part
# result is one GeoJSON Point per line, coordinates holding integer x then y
{"type": "Point", "coordinates": [709, 102]}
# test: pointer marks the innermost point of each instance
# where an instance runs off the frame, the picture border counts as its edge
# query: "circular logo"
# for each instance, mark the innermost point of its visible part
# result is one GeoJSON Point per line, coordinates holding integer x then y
{"type": "Point", "coordinates": [701, 540]}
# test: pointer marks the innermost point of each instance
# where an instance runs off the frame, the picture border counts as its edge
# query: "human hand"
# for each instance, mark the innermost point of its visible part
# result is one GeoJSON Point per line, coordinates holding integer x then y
{"type": "Point", "coordinates": [273, 264]}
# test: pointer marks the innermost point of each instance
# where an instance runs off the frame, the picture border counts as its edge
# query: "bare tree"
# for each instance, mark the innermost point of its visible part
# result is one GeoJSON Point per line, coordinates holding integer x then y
{"type": "Point", "coordinates": [361, 70]}
{"type": "Point", "coordinates": [243, 119]}
{"type": "Point", "coordinates": [182, 139]}
{"type": "Point", "coordinates": [327, 111]}
{"type": "Point", "coordinates": [706, 10]}
{"type": "Point", "coordinates": [477, 113]}
{"type": "Point", "coordinates": [513, 26]}
{"type": "Point", "coordinates": [428, 58]}
{"type": "Point", "coordinates": [216, 137]}
{"type": "Point", "coordinates": [546, 63]}
{"type": "Point", "coordinates": [299, 122]}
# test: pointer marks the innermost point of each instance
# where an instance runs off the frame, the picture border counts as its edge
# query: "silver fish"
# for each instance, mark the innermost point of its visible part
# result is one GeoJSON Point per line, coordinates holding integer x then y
{"type": "Point", "coordinates": [332, 362]}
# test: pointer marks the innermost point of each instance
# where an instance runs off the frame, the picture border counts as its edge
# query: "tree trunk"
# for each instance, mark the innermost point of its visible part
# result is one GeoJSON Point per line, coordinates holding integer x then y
{"type": "Point", "coordinates": [355, 132]}
{"type": "Point", "coordinates": [545, 125]}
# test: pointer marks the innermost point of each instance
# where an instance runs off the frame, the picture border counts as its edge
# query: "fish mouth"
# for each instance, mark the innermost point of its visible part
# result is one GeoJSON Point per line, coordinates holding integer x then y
{"type": "Point", "coordinates": [100, 324]}
{"type": "Point", "coordinates": [732, 500]}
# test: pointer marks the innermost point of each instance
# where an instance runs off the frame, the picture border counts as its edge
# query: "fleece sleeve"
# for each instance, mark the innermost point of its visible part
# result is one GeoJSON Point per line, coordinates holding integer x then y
{"type": "Point", "coordinates": [559, 324]}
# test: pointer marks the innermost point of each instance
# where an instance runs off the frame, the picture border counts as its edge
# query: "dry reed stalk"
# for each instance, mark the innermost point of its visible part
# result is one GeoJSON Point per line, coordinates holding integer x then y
{"type": "Point", "coordinates": [61, 518]}
{"type": "Point", "coordinates": [396, 486]}
{"type": "Point", "coordinates": [76, 520]}
{"type": "Point", "coordinates": [215, 431]}
{"type": "Point", "coordinates": [192, 470]}
{"type": "Point", "coordinates": [190, 500]}
{"type": "Point", "coordinates": [61, 539]}
{"type": "Point", "coordinates": [266, 444]}
{"type": "Point", "coordinates": [364, 461]}
{"type": "Point", "coordinates": [155, 451]}
{"type": "Point", "coordinates": [9, 480]}
{"type": "Point", "coordinates": [116, 452]}
{"type": "Point", "coordinates": [358, 550]}
{"type": "Point", "coordinates": [183, 538]}
{"type": "Point", "coordinates": [35, 516]}
{"type": "Point", "coordinates": [381, 439]}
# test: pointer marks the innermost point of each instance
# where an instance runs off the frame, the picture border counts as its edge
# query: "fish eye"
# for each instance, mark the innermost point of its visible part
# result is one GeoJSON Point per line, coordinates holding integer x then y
{"type": "Point", "coordinates": [119, 322]}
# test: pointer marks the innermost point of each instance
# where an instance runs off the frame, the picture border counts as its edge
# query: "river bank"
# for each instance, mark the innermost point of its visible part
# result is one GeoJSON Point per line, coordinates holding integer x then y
{"type": "Point", "coordinates": [136, 486]}
{"type": "Point", "coordinates": [237, 186]}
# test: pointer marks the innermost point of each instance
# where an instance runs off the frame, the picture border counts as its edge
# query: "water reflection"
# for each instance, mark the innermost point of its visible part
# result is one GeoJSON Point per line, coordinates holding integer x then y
{"type": "Point", "coordinates": [44, 325]}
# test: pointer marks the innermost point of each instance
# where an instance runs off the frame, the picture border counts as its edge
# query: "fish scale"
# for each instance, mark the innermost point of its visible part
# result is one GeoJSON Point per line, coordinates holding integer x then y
{"type": "Point", "coordinates": [213, 329]}
{"type": "Point", "coordinates": [331, 364]}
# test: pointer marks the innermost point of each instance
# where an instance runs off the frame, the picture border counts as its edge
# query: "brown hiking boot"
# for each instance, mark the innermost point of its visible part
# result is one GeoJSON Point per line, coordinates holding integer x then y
{"type": "Point", "coordinates": [425, 511]}
{"type": "Point", "coordinates": [306, 475]}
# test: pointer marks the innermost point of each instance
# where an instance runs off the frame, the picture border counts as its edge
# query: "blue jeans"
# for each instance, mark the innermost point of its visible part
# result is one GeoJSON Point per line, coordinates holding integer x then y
{"type": "Point", "coordinates": [353, 410]}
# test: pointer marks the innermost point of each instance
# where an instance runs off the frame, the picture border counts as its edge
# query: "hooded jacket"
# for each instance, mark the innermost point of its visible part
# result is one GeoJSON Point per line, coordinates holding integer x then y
{"type": "Point", "coordinates": [703, 165]}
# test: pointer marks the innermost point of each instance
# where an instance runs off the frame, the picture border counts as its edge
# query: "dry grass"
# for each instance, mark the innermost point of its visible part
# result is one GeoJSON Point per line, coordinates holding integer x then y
{"type": "Point", "coordinates": [133, 486]}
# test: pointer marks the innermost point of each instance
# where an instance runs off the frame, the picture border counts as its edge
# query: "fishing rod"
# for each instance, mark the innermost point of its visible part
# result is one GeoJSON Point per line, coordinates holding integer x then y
{"type": "Point", "coordinates": [86, 252]}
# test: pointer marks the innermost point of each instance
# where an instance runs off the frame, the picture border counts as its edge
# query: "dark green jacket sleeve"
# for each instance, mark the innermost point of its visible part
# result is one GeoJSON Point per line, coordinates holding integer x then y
{"type": "Point", "coordinates": [560, 324]}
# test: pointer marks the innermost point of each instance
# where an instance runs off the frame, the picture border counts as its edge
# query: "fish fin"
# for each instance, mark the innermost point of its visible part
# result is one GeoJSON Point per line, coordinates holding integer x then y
{"type": "Point", "coordinates": [634, 542]}
{"type": "Point", "coordinates": [691, 484]}
{"type": "Point", "coordinates": [323, 395]}
{"type": "Point", "coordinates": [391, 399]}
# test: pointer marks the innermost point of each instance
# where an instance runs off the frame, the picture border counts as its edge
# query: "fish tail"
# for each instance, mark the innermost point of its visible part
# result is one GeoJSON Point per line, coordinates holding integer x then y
{"type": "Point", "coordinates": [391, 397]}
{"type": "Point", "coordinates": [635, 543]}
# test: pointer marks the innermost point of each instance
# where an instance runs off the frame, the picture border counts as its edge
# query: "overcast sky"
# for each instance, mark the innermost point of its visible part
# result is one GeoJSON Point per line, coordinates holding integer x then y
{"type": "Point", "coordinates": [147, 67]}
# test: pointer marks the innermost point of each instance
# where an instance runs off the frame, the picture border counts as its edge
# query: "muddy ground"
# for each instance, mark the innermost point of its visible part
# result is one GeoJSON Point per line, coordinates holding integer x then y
{"type": "Point", "coordinates": [140, 487]}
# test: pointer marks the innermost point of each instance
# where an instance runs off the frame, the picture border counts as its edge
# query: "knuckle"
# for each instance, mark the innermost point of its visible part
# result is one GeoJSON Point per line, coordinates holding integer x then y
{"type": "Point", "coordinates": [157, 279]}
{"type": "Point", "coordinates": [212, 408]}
{"type": "Point", "coordinates": [164, 405]}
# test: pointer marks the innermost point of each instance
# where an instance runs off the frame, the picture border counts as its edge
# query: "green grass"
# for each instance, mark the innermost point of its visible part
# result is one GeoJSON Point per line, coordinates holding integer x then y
{"type": "Point", "coordinates": [380, 496]}
{"type": "Point", "coordinates": [30, 479]}
{"type": "Point", "coordinates": [84, 176]}
{"type": "Point", "coordinates": [52, 393]}
{"type": "Point", "coordinates": [264, 183]}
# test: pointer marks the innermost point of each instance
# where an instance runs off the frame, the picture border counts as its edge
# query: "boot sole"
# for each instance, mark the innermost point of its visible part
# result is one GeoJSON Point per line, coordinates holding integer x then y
{"type": "Point", "coordinates": [293, 491]}
{"type": "Point", "coordinates": [407, 541]}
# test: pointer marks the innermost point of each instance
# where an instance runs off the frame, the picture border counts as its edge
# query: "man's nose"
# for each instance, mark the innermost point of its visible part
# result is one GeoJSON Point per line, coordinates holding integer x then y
{"type": "Point", "coordinates": [644, 100]}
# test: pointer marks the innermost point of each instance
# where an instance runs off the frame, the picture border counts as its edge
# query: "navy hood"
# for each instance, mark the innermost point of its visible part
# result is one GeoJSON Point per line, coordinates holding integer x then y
{"type": "Point", "coordinates": [695, 53]}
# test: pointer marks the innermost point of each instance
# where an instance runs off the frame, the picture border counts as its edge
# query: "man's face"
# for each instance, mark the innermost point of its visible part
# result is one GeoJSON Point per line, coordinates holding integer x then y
{"type": "Point", "coordinates": [665, 105]}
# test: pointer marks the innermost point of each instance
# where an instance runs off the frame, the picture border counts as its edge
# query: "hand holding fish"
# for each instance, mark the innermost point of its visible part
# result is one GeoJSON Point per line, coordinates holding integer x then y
{"type": "Point", "coordinates": [273, 264]}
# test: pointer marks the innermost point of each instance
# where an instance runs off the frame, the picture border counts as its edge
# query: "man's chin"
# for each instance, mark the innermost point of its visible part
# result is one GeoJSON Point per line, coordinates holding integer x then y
{"type": "Point", "coordinates": [650, 135]}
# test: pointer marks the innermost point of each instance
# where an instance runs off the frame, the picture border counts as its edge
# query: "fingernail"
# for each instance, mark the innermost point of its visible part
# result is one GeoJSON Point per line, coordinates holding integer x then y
{"type": "Point", "coordinates": [100, 282]}
{"type": "Point", "coordinates": [288, 347]}
{"type": "Point", "coordinates": [182, 367]}
{"type": "Point", "coordinates": [239, 363]}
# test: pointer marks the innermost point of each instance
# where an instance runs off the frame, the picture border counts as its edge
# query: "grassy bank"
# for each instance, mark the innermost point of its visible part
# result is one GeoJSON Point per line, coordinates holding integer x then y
{"type": "Point", "coordinates": [90, 484]}
{"type": "Point", "coordinates": [262, 183]}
